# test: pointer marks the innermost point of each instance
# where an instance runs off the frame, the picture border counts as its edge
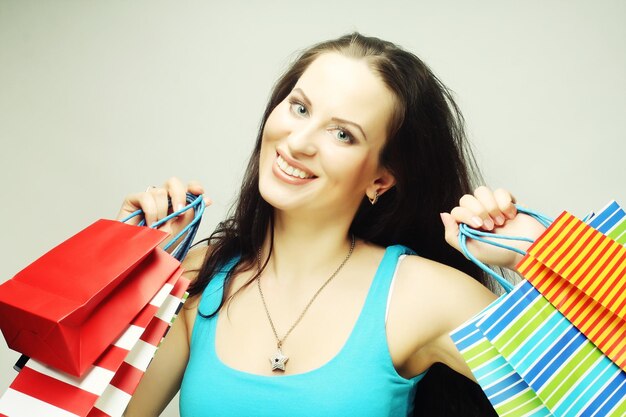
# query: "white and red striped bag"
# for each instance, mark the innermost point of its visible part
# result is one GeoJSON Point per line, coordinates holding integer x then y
{"type": "Point", "coordinates": [106, 389]}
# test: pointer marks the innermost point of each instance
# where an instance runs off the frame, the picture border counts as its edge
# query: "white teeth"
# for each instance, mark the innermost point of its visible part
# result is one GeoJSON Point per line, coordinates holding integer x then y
{"type": "Point", "coordinates": [289, 170]}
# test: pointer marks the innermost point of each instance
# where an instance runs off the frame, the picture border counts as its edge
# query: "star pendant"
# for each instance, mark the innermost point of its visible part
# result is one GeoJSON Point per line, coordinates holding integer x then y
{"type": "Point", "coordinates": [278, 361]}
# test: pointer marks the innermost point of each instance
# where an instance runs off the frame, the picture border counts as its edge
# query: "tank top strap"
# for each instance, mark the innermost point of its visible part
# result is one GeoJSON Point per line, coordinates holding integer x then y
{"type": "Point", "coordinates": [214, 291]}
{"type": "Point", "coordinates": [370, 326]}
{"type": "Point", "coordinates": [379, 290]}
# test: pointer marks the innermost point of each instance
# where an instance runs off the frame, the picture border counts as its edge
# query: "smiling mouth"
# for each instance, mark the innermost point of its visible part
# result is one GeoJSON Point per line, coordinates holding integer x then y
{"type": "Point", "coordinates": [291, 171]}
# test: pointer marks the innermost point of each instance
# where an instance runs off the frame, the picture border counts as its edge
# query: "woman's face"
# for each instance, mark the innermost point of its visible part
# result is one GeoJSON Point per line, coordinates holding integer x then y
{"type": "Point", "coordinates": [321, 145]}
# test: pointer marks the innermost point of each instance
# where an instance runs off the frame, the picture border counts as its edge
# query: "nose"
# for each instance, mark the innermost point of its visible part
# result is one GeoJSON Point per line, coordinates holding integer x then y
{"type": "Point", "coordinates": [302, 140]}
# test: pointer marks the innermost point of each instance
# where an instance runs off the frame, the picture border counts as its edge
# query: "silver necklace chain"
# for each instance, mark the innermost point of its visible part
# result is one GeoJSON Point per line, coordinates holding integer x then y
{"type": "Point", "coordinates": [280, 341]}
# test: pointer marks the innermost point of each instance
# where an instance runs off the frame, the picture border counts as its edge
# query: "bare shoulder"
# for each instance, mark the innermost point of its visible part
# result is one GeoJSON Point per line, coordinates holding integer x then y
{"type": "Point", "coordinates": [440, 288]}
{"type": "Point", "coordinates": [194, 260]}
{"type": "Point", "coordinates": [430, 299]}
{"type": "Point", "coordinates": [438, 279]}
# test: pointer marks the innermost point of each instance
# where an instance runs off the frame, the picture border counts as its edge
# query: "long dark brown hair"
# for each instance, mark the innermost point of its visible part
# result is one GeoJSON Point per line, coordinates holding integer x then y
{"type": "Point", "coordinates": [426, 151]}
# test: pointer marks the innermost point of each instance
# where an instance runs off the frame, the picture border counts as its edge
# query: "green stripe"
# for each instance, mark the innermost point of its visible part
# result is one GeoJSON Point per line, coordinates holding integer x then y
{"type": "Point", "coordinates": [526, 402]}
{"type": "Point", "coordinates": [570, 375]}
{"type": "Point", "coordinates": [523, 328]}
{"type": "Point", "coordinates": [480, 354]}
{"type": "Point", "coordinates": [621, 227]}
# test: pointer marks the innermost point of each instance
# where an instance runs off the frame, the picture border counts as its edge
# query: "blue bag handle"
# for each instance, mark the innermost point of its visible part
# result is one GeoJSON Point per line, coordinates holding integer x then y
{"type": "Point", "coordinates": [195, 202]}
{"type": "Point", "coordinates": [466, 232]}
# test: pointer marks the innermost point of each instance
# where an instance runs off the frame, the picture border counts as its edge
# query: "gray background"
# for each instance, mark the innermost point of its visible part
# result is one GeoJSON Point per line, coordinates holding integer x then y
{"type": "Point", "coordinates": [102, 98]}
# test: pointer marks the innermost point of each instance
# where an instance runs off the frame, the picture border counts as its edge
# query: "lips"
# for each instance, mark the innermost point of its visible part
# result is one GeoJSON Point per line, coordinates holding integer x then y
{"type": "Point", "coordinates": [292, 171]}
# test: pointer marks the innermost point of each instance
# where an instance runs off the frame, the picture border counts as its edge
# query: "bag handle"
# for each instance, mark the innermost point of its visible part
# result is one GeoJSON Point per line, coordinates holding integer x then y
{"type": "Point", "coordinates": [195, 202]}
{"type": "Point", "coordinates": [466, 232]}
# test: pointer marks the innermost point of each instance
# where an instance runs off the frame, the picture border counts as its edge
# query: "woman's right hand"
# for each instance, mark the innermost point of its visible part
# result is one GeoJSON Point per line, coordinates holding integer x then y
{"type": "Point", "coordinates": [491, 211]}
{"type": "Point", "coordinates": [155, 205]}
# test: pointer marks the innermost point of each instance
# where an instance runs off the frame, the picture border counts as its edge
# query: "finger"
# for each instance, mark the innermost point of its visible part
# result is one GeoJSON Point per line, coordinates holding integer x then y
{"type": "Point", "coordinates": [451, 228]}
{"type": "Point", "coordinates": [464, 215]}
{"type": "Point", "coordinates": [195, 188]}
{"type": "Point", "coordinates": [177, 192]}
{"type": "Point", "coordinates": [479, 212]}
{"type": "Point", "coordinates": [486, 197]}
{"type": "Point", "coordinates": [506, 202]}
{"type": "Point", "coordinates": [161, 203]}
{"type": "Point", "coordinates": [129, 206]}
{"type": "Point", "coordinates": [148, 205]}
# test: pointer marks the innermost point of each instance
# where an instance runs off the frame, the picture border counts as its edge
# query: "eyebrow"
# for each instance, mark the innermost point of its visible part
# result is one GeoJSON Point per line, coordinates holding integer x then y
{"type": "Point", "coordinates": [334, 119]}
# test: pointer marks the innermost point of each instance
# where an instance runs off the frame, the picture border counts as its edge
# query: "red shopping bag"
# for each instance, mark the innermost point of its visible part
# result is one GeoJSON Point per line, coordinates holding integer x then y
{"type": "Point", "coordinates": [106, 388]}
{"type": "Point", "coordinates": [69, 305]}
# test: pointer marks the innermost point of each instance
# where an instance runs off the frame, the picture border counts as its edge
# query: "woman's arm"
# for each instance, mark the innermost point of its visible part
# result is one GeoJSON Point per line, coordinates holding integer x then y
{"type": "Point", "coordinates": [162, 379]}
{"type": "Point", "coordinates": [428, 302]}
{"type": "Point", "coordinates": [438, 298]}
{"type": "Point", "coordinates": [164, 375]}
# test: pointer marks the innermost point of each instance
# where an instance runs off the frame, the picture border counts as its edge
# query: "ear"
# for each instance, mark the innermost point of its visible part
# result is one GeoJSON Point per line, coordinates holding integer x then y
{"type": "Point", "coordinates": [383, 182]}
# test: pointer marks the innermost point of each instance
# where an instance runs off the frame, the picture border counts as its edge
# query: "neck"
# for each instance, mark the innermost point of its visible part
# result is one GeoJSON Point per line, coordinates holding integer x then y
{"type": "Point", "coordinates": [305, 249]}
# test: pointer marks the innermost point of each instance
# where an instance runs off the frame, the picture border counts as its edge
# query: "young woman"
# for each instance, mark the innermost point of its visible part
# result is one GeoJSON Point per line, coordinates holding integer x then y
{"type": "Point", "coordinates": [307, 301]}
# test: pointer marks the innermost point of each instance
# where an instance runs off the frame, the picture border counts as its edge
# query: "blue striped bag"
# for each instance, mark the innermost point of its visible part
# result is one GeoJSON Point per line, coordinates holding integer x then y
{"type": "Point", "coordinates": [509, 394]}
{"type": "Point", "coordinates": [611, 221]}
{"type": "Point", "coordinates": [531, 361]}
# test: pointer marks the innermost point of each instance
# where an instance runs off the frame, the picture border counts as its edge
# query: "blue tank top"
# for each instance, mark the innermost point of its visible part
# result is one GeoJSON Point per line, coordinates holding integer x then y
{"type": "Point", "coordinates": [359, 381]}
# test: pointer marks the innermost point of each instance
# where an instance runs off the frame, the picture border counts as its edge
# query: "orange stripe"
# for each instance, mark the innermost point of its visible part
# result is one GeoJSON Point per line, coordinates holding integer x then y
{"type": "Point", "coordinates": [579, 270]}
{"type": "Point", "coordinates": [563, 232]}
{"type": "Point", "coordinates": [612, 328]}
{"type": "Point", "coordinates": [603, 277]}
{"type": "Point", "coordinates": [549, 235]}
{"type": "Point", "coordinates": [616, 294]}
{"type": "Point", "coordinates": [596, 322]}
{"type": "Point", "coordinates": [591, 269]}
{"type": "Point", "coordinates": [581, 259]}
{"type": "Point", "coordinates": [571, 245]}
{"type": "Point", "coordinates": [619, 354]}
{"type": "Point", "coordinates": [582, 313]}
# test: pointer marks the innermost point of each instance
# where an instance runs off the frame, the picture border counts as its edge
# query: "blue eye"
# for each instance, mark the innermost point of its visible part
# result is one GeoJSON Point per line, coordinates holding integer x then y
{"type": "Point", "coordinates": [298, 108]}
{"type": "Point", "coordinates": [343, 135]}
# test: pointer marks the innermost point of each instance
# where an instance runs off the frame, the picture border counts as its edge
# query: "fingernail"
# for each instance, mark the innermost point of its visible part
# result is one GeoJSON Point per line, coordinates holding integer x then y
{"type": "Point", "coordinates": [477, 221]}
{"type": "Point", "coordinates": [443, 220]}
{"type": "Point", "coordinates": [179, 207]}
{"type": "Point", "coordinates": [499, 220]}
{"type": "Point", "coordinates": [488, 223]}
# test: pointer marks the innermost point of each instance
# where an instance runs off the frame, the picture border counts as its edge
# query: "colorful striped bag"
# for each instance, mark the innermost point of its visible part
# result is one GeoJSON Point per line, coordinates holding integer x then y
{"type": "Point", "coordinates": [611, 221]}
{"type": "Point", "coordinates": [508, 393]}
{"type": "Point", "coordinates": [522, 333]}
{"type": "Point", "coordinates": [583, 273]}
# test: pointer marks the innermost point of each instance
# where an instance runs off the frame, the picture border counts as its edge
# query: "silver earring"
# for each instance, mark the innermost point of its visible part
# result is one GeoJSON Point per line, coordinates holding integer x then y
{"type": "Point", "coordinates": [375, 199]}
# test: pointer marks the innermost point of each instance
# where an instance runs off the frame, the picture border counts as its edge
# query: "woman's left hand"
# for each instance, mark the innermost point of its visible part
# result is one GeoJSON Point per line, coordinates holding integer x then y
{"type": "Point", "coordinates": [495, 212]}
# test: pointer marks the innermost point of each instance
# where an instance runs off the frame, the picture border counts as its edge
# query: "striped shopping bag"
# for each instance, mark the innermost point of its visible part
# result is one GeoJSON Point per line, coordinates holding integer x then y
{"type": "Point", "coordinates": [508, 393]}
{"type": "Point", "coordinates": [611, 221]}
{"type": "Point", "coordinates": [106, 389]}
{"type": "Point", "coordinates": [582, 272]}
{"type": "Point", "coordinates": [568, 372]}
